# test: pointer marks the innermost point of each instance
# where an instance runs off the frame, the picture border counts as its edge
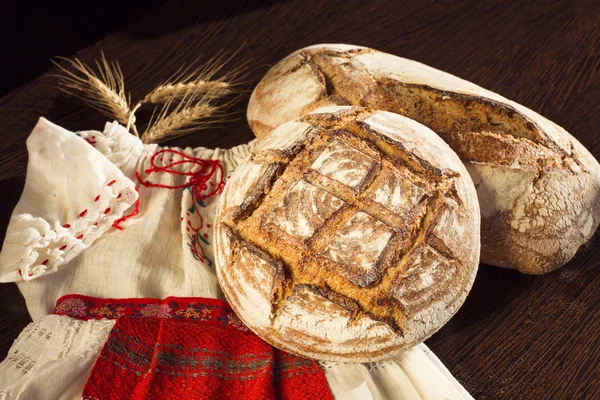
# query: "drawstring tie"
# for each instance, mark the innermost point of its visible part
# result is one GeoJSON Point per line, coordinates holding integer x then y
{"type": "Point", "coordinates": [199, 181]}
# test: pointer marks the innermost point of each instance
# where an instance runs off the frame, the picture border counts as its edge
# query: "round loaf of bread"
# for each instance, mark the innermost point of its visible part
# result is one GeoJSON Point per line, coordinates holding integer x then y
{"type": "Point", "coordinates": [538, 187]}
{"type": "Point", "coordinates": [348, 235]}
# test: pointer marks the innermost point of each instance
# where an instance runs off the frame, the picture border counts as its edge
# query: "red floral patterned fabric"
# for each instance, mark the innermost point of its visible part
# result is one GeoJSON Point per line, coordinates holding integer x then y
{"type": "Point", "coordinates": [209, 311]}
{"type": "Point", "coordinates": [188, 348]}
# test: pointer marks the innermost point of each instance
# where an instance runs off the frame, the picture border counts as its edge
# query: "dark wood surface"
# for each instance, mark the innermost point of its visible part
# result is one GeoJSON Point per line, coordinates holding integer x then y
{"type": "Point", "coordinates": [33, 31]}
{"type": "Point", "coordinates": [517, 336]}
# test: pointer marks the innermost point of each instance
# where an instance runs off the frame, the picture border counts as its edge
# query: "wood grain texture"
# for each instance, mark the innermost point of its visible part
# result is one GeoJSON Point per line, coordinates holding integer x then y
{"type": "Point", "coordinates": [517, 336]}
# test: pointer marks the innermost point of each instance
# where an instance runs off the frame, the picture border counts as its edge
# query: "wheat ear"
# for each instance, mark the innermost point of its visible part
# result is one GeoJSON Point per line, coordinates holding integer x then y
{"type": "Point", "coordinates": [104, 90]}
{"type": "Point", "coordinates": [190, 114]}
{"type": "Point", "coordinates": [167, 92]}
{"type": "Point", "coordinates": [198, 80]}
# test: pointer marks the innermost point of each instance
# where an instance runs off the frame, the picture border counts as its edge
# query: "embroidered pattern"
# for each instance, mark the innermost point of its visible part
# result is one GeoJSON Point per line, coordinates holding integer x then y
{"type": "Point", "coordinates": [207, 181]}
{"type": "Point", "coordinates": [174, 359]}
{"type": "Point", "coordinates": [198, 233]}
{"type": "Point", "coordinates": [211, 311]}
{"type": "Point", "coordinates": [107, 311]}
{"type": "Point", "coordinates": [195, 313]}
{"type": "Point", "coordinates": [40, 268]}
{"type": "Point", "coordinates": [157, 310]}
{"type": "Point", "coordinates": [188, 348]}
{"type": "Point", "coordinates": [155, 359]}
{"type": "Point", "coordinates": [195, 234]}
{"type": "Point", "coordinates": [75, 307]}
{"type": "Point", "coordinates": [236, 322]}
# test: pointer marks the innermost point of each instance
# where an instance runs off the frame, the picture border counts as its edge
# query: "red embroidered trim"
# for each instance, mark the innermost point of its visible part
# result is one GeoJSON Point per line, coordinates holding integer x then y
{"type": "Point", "coordinates": [116, 223]}
{"type": "Point", "coordinates": [209, 311]}
{"type": "Point", "coordinates": [136, 211]}
{"type": "Point", "coordinates": [21, 273]}
{"type": "Point", "coordinates": [199, 180]}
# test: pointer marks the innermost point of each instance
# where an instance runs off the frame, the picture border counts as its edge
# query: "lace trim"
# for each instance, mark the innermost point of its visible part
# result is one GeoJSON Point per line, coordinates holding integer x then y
{"type": "Point", "coordinates": [22, 362]}
{"type": "Point", "coordinates": [54, 338]}
{"type": "Point", "coordinates": [35, 337]}
{"type": "Point", "coordinates": [118, 145]}
{"type": "Point", "coordinates": [96, 334]}
{"type": "Point", "coordinates": [374, 366]}
{"type": "Point", "coordinates": [45, 252]}
{"type": "Point", "coordinates": [328, 364]}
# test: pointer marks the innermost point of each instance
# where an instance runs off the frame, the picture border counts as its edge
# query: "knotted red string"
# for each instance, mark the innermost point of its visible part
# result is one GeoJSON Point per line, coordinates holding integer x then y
{"type": "Point", "coordinates": [199, 180]}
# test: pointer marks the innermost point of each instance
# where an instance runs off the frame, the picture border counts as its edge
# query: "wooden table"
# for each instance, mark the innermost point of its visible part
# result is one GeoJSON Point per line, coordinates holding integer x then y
{"type": "Point", "coordinates": [517, 336]}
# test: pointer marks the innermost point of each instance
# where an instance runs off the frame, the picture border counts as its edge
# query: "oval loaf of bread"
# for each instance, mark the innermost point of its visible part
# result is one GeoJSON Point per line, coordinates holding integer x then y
{"type": "Point", "coordinates": [348, 235]}
{"type": "Point", "coordinates": [538, 187]}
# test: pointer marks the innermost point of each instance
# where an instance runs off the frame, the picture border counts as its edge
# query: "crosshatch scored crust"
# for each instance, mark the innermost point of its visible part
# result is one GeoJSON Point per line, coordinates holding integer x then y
{"type": "Point", "coordinates": [538, 187]}
{"type": "Point", "coordinates": [349, 235]}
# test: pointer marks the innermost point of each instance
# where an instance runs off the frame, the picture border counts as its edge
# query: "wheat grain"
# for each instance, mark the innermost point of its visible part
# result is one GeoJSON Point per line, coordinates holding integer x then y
{"type": "Point", "coordinates": [199, 79]}
{"type": "Point", "coordinates": [187, 97]}
{"type": "Point", "coordinates": [104, 90]}
{"type": "Point", "coordinates": [190, 114]}
{"type": "Point", "coordinates": [164, 93]}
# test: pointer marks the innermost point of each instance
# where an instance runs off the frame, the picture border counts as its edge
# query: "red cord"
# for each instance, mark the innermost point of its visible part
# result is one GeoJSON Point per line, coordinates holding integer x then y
{"type": "Point", "coordinates": [198, 182]}
{"type": "Point", "coordinates": [124, 218]}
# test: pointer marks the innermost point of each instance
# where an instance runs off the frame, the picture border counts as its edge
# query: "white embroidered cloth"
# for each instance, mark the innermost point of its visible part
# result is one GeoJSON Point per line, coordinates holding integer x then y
{"type": "Point", "coordinates": [76, 230]}
{"type": "Point", "coordinates": [166, 250]}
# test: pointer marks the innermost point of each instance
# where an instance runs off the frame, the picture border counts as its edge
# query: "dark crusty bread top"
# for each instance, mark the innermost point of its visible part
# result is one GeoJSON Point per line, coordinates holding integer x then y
{"type": "Point", "coordinates": [348, 235]}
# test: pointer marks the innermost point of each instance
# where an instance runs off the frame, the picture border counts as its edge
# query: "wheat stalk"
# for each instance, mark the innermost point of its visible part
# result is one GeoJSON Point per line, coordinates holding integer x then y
{"type": "Point", "coordinates": [186, 97]}
{"type": "Point", "coordinates": [164, 93]}
{"type": "Point", "coordinates": [199, 80]}
{"type": "Point", "coordinates": [104, 90]}
{"type": "Point", "coordinates": [190, 114]}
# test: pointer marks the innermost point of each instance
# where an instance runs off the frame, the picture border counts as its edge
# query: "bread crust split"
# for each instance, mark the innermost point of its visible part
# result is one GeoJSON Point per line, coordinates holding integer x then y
{"type": "Point", "coordinates": [538, 187]}
{"type": "Point", "coordinates": [348, 235]}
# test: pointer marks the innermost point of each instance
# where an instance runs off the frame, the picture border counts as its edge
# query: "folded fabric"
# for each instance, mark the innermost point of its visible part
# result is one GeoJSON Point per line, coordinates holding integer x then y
{"type": "Point", "coordinates": [72, 196]}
